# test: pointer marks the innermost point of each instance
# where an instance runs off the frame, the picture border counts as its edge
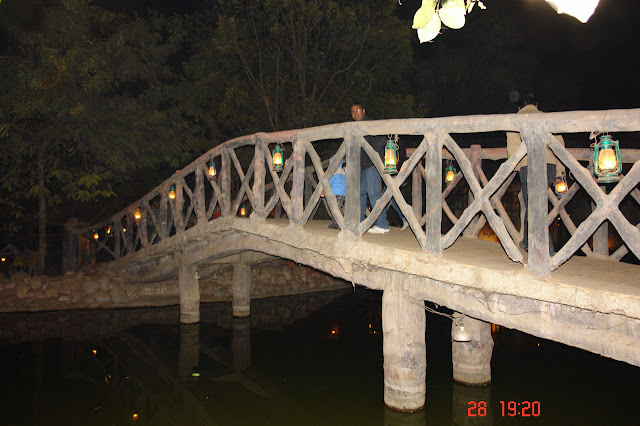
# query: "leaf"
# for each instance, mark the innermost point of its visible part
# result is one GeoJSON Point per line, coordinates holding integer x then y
{"type": "Point", "coordinates": [452, 14]}
{"type": "Point", "coordinates": [424, 14]}
{"type": "Point", "coordinates": [432, 29]}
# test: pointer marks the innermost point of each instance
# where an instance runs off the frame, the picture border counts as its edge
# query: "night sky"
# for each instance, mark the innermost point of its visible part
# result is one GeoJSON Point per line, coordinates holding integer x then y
{"type": "Point", "coordinates": [518, 44]}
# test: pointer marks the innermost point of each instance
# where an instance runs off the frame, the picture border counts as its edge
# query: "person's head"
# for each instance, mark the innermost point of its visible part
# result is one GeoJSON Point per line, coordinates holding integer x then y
{"type": "Point", "coordinates": [357, 112]}
{"type": "Point", "coordinates": [528, 98]}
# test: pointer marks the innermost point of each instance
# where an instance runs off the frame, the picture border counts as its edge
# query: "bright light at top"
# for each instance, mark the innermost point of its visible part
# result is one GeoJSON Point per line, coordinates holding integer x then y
{"type": "Point", "coordinates": [579, 9]}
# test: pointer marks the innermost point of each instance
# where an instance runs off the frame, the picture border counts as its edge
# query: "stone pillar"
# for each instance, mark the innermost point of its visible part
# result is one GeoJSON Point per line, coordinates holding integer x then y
{"type": "Point", "coordinates": [472, 360]}
{"type": "Point", "coordinates": [189, 285]}
{"type": "Point", "coordinates": [241, 288]}
{"type": "Point", "coordinates": [241, 343]}
{"type": "Point", "coordinates": [404, 350]}
{"type": "Point", "coordinates": [189, 355]}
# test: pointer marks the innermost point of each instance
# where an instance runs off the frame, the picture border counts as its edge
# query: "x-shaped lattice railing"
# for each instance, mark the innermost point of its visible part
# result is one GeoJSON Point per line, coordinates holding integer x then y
{"type": "Point", "coordinates": [197, 202]}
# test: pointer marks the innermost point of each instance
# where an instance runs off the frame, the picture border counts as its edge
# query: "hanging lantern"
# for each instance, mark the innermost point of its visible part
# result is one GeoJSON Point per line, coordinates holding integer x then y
{"type": "Point", "coordinates": [450, 172]}
{"type": "Point", "coordinates": [95, 235]}
{"type": "Point", "coordinates": [607, 164]}
{"type": "Point", "coordinates": [243, 211]}
{"type": "Point", "coordinates": [560, 187]}
{"type": "Point", "coordinates": [391, 157]}
{"type": "Point", "coordinates": [277, 158]}
{"type": "Point", "coordinates": [459, 334]}
{"type": "Point", "coordinates": [109, 230]}
{"type": "Point", "coordinates": [212, 171]}
{"type": "Point", "coordinates": [137, 215]}
{"type": "Point", "coordinates": [172, 192]}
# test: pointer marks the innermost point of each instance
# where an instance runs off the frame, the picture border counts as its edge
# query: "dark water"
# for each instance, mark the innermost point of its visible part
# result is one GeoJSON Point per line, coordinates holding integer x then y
{"type": "Point", "coordinates": [302, 360]}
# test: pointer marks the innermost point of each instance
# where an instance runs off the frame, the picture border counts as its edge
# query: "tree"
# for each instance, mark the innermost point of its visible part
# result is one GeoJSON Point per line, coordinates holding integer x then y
{"type": "Point", "coordinates": [86, 99]}
{"type": "Point", "coordinates": [298, 63]}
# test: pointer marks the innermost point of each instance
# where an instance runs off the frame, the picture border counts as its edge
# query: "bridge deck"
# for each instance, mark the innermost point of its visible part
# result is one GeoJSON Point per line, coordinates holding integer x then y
{"type": "Point", "coordinates": [588, 303]}
{"type": "Point", "coordinates": [579, 271]}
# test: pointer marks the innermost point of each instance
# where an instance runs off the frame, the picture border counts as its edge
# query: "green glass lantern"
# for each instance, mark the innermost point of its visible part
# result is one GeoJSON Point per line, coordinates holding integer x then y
{"type": "Point", "coordinates": [172, 192]}
{"type": "Point", "coordinates": [607, 163]}
{"type": "Point", "coordinates": [391, 157]}
{"type": "Point", "coordinates": [450, 173]}
{"type": "Point", "coordinates": [212, 171]}
{"type": "Point", "coordinates": [277, 158]}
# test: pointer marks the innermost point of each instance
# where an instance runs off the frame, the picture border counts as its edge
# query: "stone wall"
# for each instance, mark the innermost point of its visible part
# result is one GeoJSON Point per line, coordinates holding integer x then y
{"type": "Point", "coordinates": [97, 287]}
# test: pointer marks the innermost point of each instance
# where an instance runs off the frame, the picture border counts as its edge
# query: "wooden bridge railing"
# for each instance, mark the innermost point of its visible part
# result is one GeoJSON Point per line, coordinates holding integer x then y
{"type": "Point", "coordinates": [298, 188]}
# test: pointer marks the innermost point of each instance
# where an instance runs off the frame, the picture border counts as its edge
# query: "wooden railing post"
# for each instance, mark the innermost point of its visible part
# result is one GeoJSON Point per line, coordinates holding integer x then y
{"type": "Point", "coordinates": [476, 161]}
{"type": "Point", "coordinates": [297, 189]}
{"type": "Point", "coordinates": [179, 219]}
{"type": "Point", "coordinates": [416, 192]}
{"type": "Point", "coordinates": [142, 227]}
{"type": "Point", "coordinates": [259, 172]}
{"type": "Point", "coordinates": [433, 195]}
{"type": "Point", "coordinates": [601, 236]}
{"type": "Point", "coordinates": [198, 196]}
{"type": "Point", "coordinates": [164, 228]}
{"type": "Point", "coordinates": [539, 259]}
{"type": "Point", "coordinates": [225, 183]}
{"type": "Point", "coordinates": [128, 236]}
{"type": "Point", "coordinates": [352, 178]}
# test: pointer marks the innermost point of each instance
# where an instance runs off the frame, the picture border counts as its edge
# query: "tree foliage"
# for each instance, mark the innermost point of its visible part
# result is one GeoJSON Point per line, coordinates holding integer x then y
{"type": "Point", "coordinates": [299, 63]}
{"type": "Point", "coordinates": [87, 98]}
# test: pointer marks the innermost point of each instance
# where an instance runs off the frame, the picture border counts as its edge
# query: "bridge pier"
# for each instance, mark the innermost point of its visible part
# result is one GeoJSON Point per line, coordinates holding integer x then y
{"type": "Point", "coordinates": [404, 350]}
{"type": "Point", "coordinates": [241, 290]}
{"type": "Point", "coordinates": [189, 284]}
{"type": "Point", "coordinates": [472, 360]}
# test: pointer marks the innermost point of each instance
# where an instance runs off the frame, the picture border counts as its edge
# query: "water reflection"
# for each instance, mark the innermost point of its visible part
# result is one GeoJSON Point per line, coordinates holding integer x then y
{"type": "Point", "coordinates": [313, 359]}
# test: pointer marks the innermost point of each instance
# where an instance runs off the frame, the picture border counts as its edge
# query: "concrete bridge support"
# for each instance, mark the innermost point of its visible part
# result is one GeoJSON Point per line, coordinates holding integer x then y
{"type": "Point", "coordinates": [472, 360]}
{"type": "Point", "coordinates": [404, 349]}
{"type": "Point", "coordinates": [241, 289]}
{"type": "Point", "coordinates": [188, 282]}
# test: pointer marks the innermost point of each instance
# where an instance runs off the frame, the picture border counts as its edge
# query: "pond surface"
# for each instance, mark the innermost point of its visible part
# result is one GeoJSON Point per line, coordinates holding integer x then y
{"type": "Point", "coordinates": [300, 360]}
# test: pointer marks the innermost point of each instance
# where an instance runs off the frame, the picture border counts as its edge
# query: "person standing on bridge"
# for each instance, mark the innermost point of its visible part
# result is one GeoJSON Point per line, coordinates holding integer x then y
{"type": "Point", "coordinates": [555, 169]}
{"type": "Point", "coordinates": [370, 180]}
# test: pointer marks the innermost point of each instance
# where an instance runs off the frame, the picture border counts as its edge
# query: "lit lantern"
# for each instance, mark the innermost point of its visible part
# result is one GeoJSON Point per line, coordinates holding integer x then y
{"type": "Point", "coordinates": [212, 171]}
{"type": "Point", "coordinates": [450, 172]}
{"type": "Point", "coordinates": [391, 157]}
{"type": "Point", "coordinates": [95, 235]}
{"type": "Point", "coordinates": [137, 215]}
{"type": "Point", "coordinates": [243, 211]}
{"type": "Point", "coordinates": [172, 192]}
{"type": "Point", "coordinates": [4, 259]}
{"type": "Point", "coordinates": [109, 230]}
{"type": "Point", "coordinates": [607, 164]}
{"type": "Point", "coordinates": [124, 229]}
{"type": "Point", "coordinates": [579, 9]}
{"type": "Point", "coordinates": [560, 188]}
{"type": "Point", "coordinates": [277, 159]}
{"type": "Point", "coordinates": [459, 334]}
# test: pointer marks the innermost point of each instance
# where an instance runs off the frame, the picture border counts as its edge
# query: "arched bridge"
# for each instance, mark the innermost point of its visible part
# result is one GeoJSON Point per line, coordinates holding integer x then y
{"type": "Point", "coordinates": [586, 295]}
